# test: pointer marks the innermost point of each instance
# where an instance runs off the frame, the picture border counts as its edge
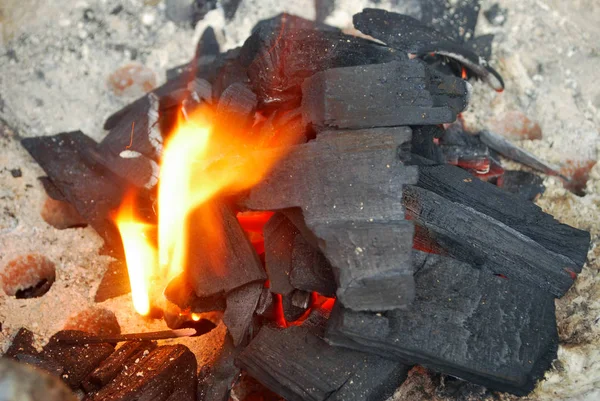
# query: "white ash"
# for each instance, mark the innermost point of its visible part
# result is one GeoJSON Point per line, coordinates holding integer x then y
{"type": "Point", "coordinates": [130, 154]}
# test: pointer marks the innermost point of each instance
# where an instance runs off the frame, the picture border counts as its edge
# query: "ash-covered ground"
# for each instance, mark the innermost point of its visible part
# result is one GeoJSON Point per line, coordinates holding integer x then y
{"type": "Point", "coordinates": [61, 63]}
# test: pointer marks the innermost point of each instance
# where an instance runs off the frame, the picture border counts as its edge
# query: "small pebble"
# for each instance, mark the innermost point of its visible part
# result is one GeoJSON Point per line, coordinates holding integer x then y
{"type": "Point", "coordinates": [16, 172]}
{"type": "Point", "coordinates": [61, 215]}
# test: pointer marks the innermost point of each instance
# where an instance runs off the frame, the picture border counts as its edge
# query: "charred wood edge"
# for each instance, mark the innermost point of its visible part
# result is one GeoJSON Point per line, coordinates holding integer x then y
{"type": "Point", "coordinates": [201, 329]}
{"type": "Point", "coordinates": [166, 373]}
{"type": "Point", "coordinates": [115, 281]}
{"type": "Point", "coordinates": [115, 363]}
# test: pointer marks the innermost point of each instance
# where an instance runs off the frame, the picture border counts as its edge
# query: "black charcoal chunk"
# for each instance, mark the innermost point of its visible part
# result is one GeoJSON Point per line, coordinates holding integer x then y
{"type": "Point", "coordinates": [241, 304]}
{"type": "Point", "coordinates": [310, 269]}
{"type": "Point", "coordinates": [523, 183]}
{"type": "Point", "coordinates": [279, 234]}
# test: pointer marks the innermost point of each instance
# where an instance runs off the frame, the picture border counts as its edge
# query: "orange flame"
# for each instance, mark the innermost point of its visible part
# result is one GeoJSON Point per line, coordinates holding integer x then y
{"type": "Point", "coordinates": [202, 159]}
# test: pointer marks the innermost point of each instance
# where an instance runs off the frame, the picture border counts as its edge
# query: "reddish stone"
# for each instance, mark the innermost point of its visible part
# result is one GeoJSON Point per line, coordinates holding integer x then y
{"type": "Point", "coordinates": [97, 321]}
{"type": "Point", "coordinates": [27, 272]}
{"type": "Point", "coordinates": [132, 79]}
{"type": "Point", "coordinates": [578, 173]}
{"type": "Point", "coordinates": [61, 215]}
{"type": "Point", "coordinates": [516, 125]}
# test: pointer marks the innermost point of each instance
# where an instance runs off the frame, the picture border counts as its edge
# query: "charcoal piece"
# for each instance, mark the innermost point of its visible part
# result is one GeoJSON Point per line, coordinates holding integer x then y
{"type": "Point", "coordinates": [525, 217]}
{"type": "Point", "coordinates": [166, 371]}
{"type": "Point", "coordinates": [423, 142]}
{"type": "Point", "coordinates": [236, 106]}
{"type": "Point", "coordinates": [217, 383]}
{"type": "Point", "coordinates": [284, 361]}
{"type": "Point", "coordinates": [78, 361]}
{"type": "Point", "coordinates": [180, 292]}
{"type": "Point", "coordinates": [294, 305]}
{"type": "Point", "coordinates": [372, 263]}
{"type": "Point", "coordinates": [279, 234]}
{"type": "Point", "coordinates": [241, 304]}
{"type": "Point", "coordinates": [115, 282]}
{"type": "Point", "coordinates": [522, 183]}
{"type": "Point", "coordinates": [463, 322]}
{"type": "Point", "coordinates": [94, 192]}
{"type": "Point", "coordinates": [52, 367]}
{"type": "Point", "coordinates": [464, 150]}
{"type": "Point", "coordinates": [208, 44]}
{"type": "Point", "coordinates": [265, 303]}
{"type": "Point", "coordinates": [200, 90]}
{"type": "Point", "coordinates": [456, 19]}
{"type": "Point", "coordinates": [513, 152]}
{"type": "Point", "coordinates": [410, 35]}
{"type": "Point", "coordinates": [122, 358]}
{"type": "Point", "coordinates": [284, 61]}
{"type": "Point", "coordinates": [330, 98]}
{"type": "Point", "coordinates": [310, 269]}
{"type": "Point", "coordinates": [496, 15]}
{"type": "Point", "coordinates": [231, 72]}
{"type": "Point", "coordinates": [22, 343]}
{"type": "Point", "coordinates": [475, 237]}
{"type": "Point", "coordinates": [219, 260]}
{"type": "Point", "coordinates": [52, 190]}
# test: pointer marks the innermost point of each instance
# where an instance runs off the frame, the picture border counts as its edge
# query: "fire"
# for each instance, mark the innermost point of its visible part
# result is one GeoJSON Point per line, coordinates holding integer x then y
{"type": "Point", "coordinates": [202, 159]}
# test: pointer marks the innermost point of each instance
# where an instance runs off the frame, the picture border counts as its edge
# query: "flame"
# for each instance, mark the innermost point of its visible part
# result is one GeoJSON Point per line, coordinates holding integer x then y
{"type": "Point", "coordinates": [202, 159]}
{"type": "Point", "coordinates": [139, 253]}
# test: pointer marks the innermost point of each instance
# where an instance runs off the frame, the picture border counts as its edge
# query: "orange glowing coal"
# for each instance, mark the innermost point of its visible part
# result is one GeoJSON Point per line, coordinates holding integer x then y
{"type": "Point", "coordinates": [202, 159]}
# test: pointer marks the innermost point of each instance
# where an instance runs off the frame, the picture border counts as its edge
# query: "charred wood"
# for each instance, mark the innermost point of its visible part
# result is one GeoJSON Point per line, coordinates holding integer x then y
{"type": "Point", "coordinates": [115, 282]}
{"type": "Point", "coordinates": [217, 382]}
{"type": "Point", "coordinates": [420, 97]}
{"type": "Point", "coordinates": [463, 322]}
{"type": "Point", "coordinates": [523, 183]}
{"type": "Point", "coordinates": [241, 304]}
{"type": "Point", "coordinates": [279, 234]}
{"type": "Point", "coordinates": [310, 269]}
{"type": "Point", "coordinates": [22, 343]}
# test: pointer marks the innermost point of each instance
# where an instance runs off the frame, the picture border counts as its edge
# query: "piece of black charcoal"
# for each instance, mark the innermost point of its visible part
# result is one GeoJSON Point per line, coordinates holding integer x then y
{"type": "Point", "coordinates": [330, 98]}
{"type": "Point", "coordinates": [22, 343]}
{"type": "Point", "coordinates": [181, 293]}
{"type": "Point", "coordinates": [464, 150]}
{"type": "Point", "coordinates": [241, 304]}
{"type": "Point", "coordinates": [219, 261]}
{"type": "Point", "coordinates": [115, 282]}
{"type": "Point", "coordinates": [349, 185]}
{"type": "Point", "coordinates": [166, 373]}
{"type": "Point", "coordinates": [492, 229]}
{"type": "Point", "coordinates": [237, 105]}
{"type": "Point", "coordinates": [283, 361]}
{"type": "Point", "coordinates": [424, 138]}
{"type": "Point", "coordinates": [208, 44]}
{"type": "Point", "coordinates": [93, 191]}
{"type": "Point", "coordinates": [310, 270]}
{"type": "Point", "coordinates": [216, 384]}
{"type": "Point", "coordinates": [279, 234]}
{"type": "Point", "coordinates": [52, 190]}
{"type": "Point", "coordinates": [294, 305]}
{"type": "Point", "coordinates": [464, 322]}
{"type": "Point", "coordinates": [78, 361]}
{"type": "Point", "coordinates": [523, 183]}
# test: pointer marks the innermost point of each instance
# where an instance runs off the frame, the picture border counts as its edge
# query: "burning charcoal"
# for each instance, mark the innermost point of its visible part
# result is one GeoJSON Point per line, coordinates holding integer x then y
{"type": "Point", "coordinates": [22, 343]}
{"type": "Point", "coordinates": [265, 303]}
{"type": "Point", "coordinates": [339, 199]}
{"type": "Point", "coordinates": [160, 375]}
{"type": "Point", "coordinates": [61, 215]}
{"type": "Point", "coordinates": [410, 35]}
{"type": "Point", "coordinates": [130, 165]}
{"type": "Point", "coordinates": [180, 292]}
{"type": "Point", "coordinates": [463, 322]}
{"type": "Point", "coordinates": [78, 361]}
{"type": "Point", "coordinates": [236, 106]}
{"type": "Point", "coordinates": [298, 365]}
{"type": "Point", "coordinates": [481, 224]}
{"type": "Point", "coordinates": [310, 269]}
{"type": "Point", "coordinates": [122, 358]}
{"type": "Point", "coordinates": [231, 72]}
{"type": "Point", "coordinates": [95, 193]}
{"type": "Point", "coordinates": [279, 234]}
{"type": "Point", "coordinates": [330, 98]}
{"type": "Point", "coordinates": [423, 144]}
{"type": "Point", "coordinates": [21, 382]}
{"type": "Point", "coordinates": [241, 304]}
{"type": "Point", "coordinates": [211, 253]}
{"type": "Point", "coordinates": [294, 305]}
{"type": "Point", "coordinates": [513, 152]}
{"type": "Point", "coordinates": [464, 150]}
{"type": "Point", "coordinates": [525, 184]}
{"type": "Point", "coordinates": [374, 270]}
{"type": "Point", "coordinates": [284, 61]}
{"type": "Point", "coordinates": [115, 282]}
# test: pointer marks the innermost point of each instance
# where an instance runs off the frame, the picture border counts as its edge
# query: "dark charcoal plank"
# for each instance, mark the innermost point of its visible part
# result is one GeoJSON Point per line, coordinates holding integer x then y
{"type": "Point", "coordinates": [95, 193]}
{"type": "Point", "coordinates": [167, 370]}
{"type": "Point", "coordinates": [284, 361]}
{"type": "Point", "coordinates": [121, 359]}
{"type": "Point", "coordinates": [463, 322]}
{"type": "Point", "coordinates": [550, 252]}
{"type": "Point", "coordinates": [219, 263]}
{"type": "Point", "coordinates": [279, 234]}
{"type": "Point", "coordinates": [22, 343]}
{"type": "Point", "coordinates": [115, 282]}
{"type": "Point", "coordinates": [241, 304]}
{"type": "Point", "coordinates": [348, 185]}
{"type": "Point", "coordinates": [418, 97]}
{"type": "Point", "coordinates": [78, 361]}
{"type": "Point", "coordinates": [284, 61]}
{"type": "Point", "coordinates": [310, 269]}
